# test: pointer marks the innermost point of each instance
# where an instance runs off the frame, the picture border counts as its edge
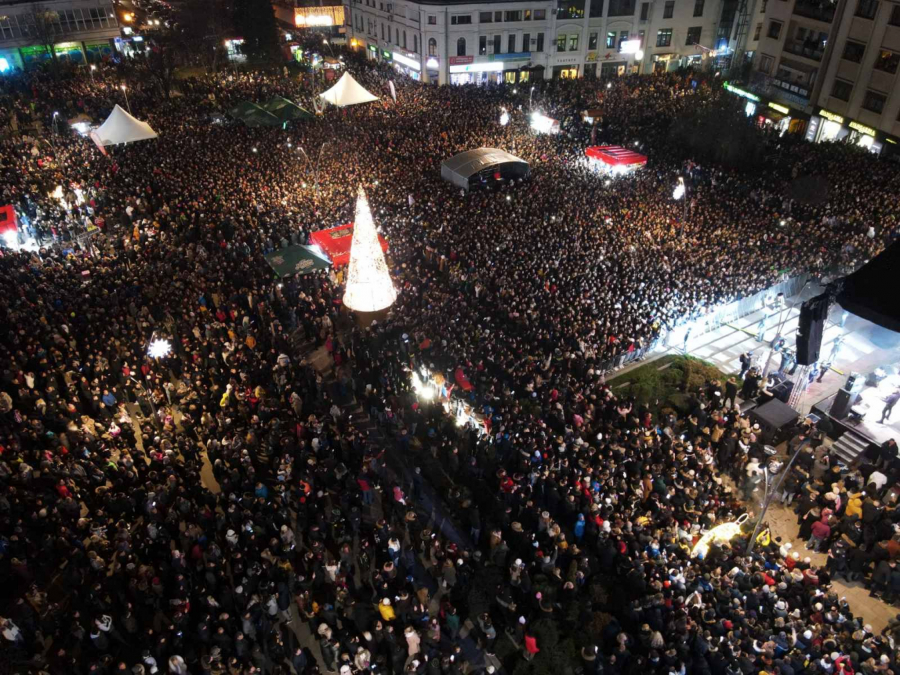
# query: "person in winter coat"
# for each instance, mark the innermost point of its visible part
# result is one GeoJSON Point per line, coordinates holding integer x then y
{"type": "Point", "coordinates": [579, 527]}
{"type": "Point", "coordinates": [412, 641]}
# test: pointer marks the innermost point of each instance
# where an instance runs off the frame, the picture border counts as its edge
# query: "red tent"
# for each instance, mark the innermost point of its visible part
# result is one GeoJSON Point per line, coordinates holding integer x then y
{"type": "Point", "coordinates": [336, 241]}
{"type": "Point", "coordinates": [8, 222]}
{"type": "Point", "coordinates": [615, 155]}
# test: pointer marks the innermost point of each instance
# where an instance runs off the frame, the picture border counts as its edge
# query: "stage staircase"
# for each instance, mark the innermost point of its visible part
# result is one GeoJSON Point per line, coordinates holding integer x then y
{"type": "Point", "coordinates": [849, 446]}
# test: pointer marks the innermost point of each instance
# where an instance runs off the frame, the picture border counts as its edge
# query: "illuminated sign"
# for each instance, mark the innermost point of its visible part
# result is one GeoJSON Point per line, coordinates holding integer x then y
{"type": "Point", "coordinates": [862, 128]}
{"type": "Point", "coordinates": [332, 15]}
{"type": "Point", "coordinates": [495, 67]}
{"type": "Point", "coordinates": [780, 108]}
{"type": "Point", "coordinates": [740, 92]}
{"type": "Point", "coordinates": [630, 46]}
{"type": "Point", "coordinates": [373, 48]}
{"type": "Point", "coordinates": [831, 116]}
{"type": "Point", "coordinates": [432, 63]}
{"type": "Point", "coordinates": [385, 54]}
{"type": "Point", "coordinates": [406, 61]}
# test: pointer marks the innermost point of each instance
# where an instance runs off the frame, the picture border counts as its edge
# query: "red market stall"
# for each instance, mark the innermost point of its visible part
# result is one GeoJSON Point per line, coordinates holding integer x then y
{"type": "Point", "coordinates": [615, 158]}
{"type": "Point", "coordinates": [335, 243]}
{"type": "Point", "coordinates": [8, 225]}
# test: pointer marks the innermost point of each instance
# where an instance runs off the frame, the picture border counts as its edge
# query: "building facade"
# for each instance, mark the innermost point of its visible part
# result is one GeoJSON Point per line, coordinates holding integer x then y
{"type": "Point", "coordinates": [80, 31]}
{"type": "Point", "coordinates": [834, 65]}
{"type": "Point", "coordinates": [516, 41]}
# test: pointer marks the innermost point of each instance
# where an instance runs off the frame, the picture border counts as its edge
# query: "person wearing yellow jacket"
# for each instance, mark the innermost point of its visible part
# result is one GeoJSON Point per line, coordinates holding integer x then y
{"type": "Point", "coordinates": [386, 611]}
{"type": "Point", "coordinates": [854, 505]}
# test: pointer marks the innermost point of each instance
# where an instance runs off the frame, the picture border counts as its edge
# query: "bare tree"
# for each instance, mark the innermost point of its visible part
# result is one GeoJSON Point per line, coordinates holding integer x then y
{"type": "Point", "coordinates": [160, 61]}
{"type": "Point", "coordinates": [46, 29]}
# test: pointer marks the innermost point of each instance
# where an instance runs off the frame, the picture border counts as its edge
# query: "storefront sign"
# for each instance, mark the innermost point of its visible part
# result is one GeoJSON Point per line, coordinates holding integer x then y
{"type": "Point", "coordinates": [461, 60]}
{"type": "Point", "coordinates": [373, 48]}
{"type": "Point", "coordinates": [385, 54]}
{"type": "Point", "coordinates": [406, 61]}
{"type": "Point", "coordinates": [780, 108]}
{"type": "Point", "coordinates": [862, 128]}
{"type": "Point", "coordinates": [512, 56]}
{"type": "Point", "coordinates": [432, 63]}
{"type": "Point", "coordinates": [831, 116]}
{"type": "Point", "coordinates": [740, 92]}
{"type": "Point", "coordinates": [591, 57]}
{"type": "Point", "coordinates": [331, 15]}
{"type": "Point", "coordinates": [495, 67]}
{"type": "Point", "coordinates": [812, 128]}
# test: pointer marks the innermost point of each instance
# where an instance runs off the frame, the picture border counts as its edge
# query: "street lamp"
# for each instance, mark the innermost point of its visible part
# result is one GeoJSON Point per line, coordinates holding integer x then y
{"type": "Point", "coordinates": [93, 68]}
{"type": "Point", "coordinates": [326, 42]}
{"type": "Point", "coordinates": [159, 348]}
{"type": "Point", "coordinates": [125, 91]}
{"type": "Point", "coordinates": [530, 94]}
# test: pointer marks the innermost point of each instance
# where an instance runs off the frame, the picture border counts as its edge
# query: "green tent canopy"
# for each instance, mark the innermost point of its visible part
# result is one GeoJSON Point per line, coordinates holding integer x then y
{"type": "Point", "coordinates": [296, 260]}
{"type": "Point", "coordinates": [286, 110]}
{"type": "Point", "coordinates": [254, 116]}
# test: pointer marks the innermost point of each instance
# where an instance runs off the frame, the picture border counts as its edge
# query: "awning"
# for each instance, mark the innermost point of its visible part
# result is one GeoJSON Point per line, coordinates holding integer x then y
{"type": "Point", "coordinates": [615, 155]}
{"type": "Point", "coordinates": [869, 291]}
{"type": "Point", "coordinates": [336, 242]}
{"type": "Point", "coordinates": [254, 116]}
{"type": "Point", "coordinates": [296, 260]}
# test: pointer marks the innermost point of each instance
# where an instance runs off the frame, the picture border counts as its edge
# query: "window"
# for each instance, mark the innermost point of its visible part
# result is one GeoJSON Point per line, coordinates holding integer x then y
{"type": "Point", "coordinates": [621, 8]}
{"type": "Point", "coordinates": [526, 42]}
{"type": "Point", "coordinates": [774, 29]}
{"type": "Point", "coordinates": [496, 45]}
{"type": "Point", "coordinates": [887, 61]}
{"type": "Point", "coordinates": [573, 43]}
{"type": "Point", "coordinates": [527, 16]}
{"type": "Point", "coordinates": [669, 9]}
{"type": "Point", "coordinates": [592, 41]}
{"type": "Point", "coordinates": [404, 39]}
{"type": "Point", "coordinates": [698, 7]}
{"type": "Point", "coordinates": [664, 37]}
{"type": "Point", "coordinates": [432, 47]}
{"type": "Point", "coordinates": [461, 47]}
{"type": "Point", "coordinates": [460, 19]}
{"type": "Point", "coordinates": [569, 9]}
{"type": "Point", "coordinates": [432, 20]}
{"type": "Point", "coordinates": [853, 51]}
{"type": "Point", "coordinates": [540, 14]}
{"type": "Point", "coordinates": [396, 36]}
{"type": "Point", "coordinates": [560, 43]}
{"type": "Point", "coordinates": [867, 9]}
{"type": "Point", "coordinates": [765, 64]}
{"type": "Point", "coordinates": [611, 39]}
{"type": "Point", "coordinates": [596, 9]}
{"type": "Point", "coordinates": [757, 32]}
{"type": "Point", "coordinates": [693, 35]}
{"type": "Point", "coordinates": [482, 45]}
{"type": "Point", "coordinates": [874, 101]}
{"type": "Point", "coordinates": [540, 41]}
{"type": "Point", "coordinates": [511, 44]}
{"type": "Point", "coordinates": [895, 16]}
{"type": "Point", "coordinates": [382, 31]}
{"type": "Point", "coordinates": [416, 44]}
{"type": "Point", "coordinates": [498, 17]}
{"type": "Point", "coordinates": [841, 90]}
{"type": "Point", "coordinates": [485, 17]}
{"type": "Point", "coordinates": [645, 11]}
{"type": "Point", "coordinates": [513, 16]}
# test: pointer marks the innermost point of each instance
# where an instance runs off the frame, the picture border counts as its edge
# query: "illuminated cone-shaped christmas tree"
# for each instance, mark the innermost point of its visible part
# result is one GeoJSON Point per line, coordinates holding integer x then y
{"type": "Point", "coordinates": [369, 286]}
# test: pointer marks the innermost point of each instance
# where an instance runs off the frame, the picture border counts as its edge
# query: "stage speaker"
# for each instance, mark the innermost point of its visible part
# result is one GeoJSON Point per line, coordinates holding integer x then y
{"type": "Point", "coordinates": [783, 390]}
{"type": "Point", "coordinates": [840, 408]}
{"type": "Point", "coordinates": [851, 380]}
{"type": "Point", "coordinates": [813, 313]}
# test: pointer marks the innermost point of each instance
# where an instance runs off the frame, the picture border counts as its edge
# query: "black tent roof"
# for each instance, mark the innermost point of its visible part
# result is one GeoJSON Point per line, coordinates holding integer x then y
{"type": "Point", "coordinates": [870, 292]}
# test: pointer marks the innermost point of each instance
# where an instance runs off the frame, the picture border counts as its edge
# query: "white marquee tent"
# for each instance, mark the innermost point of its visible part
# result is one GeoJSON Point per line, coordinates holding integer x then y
{"type": "Point", "coordinates": [121, 127]}
{"type": "Point", "coordinates": [346, 92]}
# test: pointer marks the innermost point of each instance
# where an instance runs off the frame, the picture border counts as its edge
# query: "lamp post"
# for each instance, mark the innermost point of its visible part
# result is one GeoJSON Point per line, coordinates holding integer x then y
{"type": "Point", "coordinates": [149, 396]}
{"type": "Point", "coordinates": [326, 42]}
{"type": "Point", "coordinates": [530, 94]}
{"type": "Point", "coordinates": [92, 69]}
{"type": "Point", "coordinates": [316, 168]}
{"type": "Point", "coordinates": [127, 104]}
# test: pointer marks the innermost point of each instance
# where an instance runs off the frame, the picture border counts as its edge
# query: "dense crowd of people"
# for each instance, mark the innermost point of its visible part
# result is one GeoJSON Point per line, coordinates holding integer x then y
{"type": "Point", "coordinates": [226, 508]}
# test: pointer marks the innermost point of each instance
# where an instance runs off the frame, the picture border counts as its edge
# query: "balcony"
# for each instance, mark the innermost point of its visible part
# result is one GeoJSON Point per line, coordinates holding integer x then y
{"type": "Point", "coordinates": [820, 10]}
{"type": "Point", "coordinates": [809, 49]}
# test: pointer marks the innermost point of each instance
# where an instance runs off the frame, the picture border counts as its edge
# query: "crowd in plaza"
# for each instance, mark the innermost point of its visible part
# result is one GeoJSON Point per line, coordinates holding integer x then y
{"type": "Point", "coordinates": [221, 510]}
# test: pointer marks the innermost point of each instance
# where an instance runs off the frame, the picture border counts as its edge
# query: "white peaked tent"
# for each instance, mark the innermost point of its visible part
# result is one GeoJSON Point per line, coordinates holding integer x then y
{"type": "Point", "coordinates": [347, 91]}
{"type": "Point", "coordinates": [120, 127]}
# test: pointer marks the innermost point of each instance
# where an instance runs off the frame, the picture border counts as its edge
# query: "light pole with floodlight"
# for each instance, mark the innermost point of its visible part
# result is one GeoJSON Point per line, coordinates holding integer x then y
{"type": "Point", "coordinates": [92, 69]}
{"type": "Point", "coordinates": [127, 104]}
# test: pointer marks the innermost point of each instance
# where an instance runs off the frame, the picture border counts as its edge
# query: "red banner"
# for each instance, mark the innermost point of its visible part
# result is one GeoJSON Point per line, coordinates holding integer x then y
{"type": "Point", "coordinates": [336, 241]}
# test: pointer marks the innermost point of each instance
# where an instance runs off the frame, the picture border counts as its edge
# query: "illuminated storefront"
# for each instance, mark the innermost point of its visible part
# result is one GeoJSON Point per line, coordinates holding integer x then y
{"type": "Point", "coordinates": [408, 65]}
{"type": "Point", "coordinates": [319, 17]}
{"type": "Point", "coordinates": [475, 73]}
